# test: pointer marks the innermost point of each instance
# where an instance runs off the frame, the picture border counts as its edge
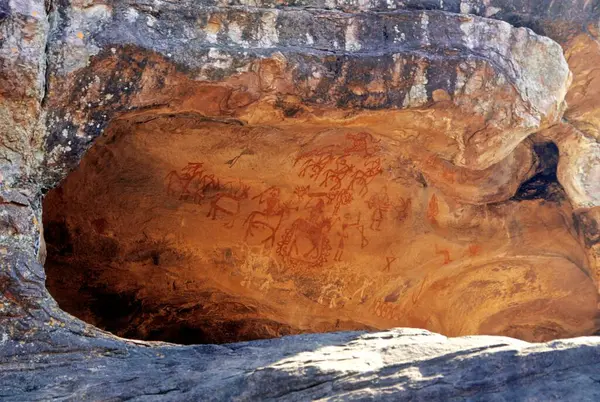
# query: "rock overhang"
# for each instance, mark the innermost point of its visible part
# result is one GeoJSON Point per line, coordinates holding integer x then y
{"type": "Point", "coordinates": [508, 87]}
{"type": "Point", "coordinates": [452, 96]}
{"type": "Point", "coordinates": [22, 280]}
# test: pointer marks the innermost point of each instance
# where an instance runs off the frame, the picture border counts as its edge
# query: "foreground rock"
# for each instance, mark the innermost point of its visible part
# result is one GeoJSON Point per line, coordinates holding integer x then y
{"type": "Point", "coordinates": [397, 365]}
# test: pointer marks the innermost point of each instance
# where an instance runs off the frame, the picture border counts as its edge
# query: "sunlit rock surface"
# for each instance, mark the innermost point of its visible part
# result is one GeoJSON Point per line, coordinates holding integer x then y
{"type": "Point", "coordinates": [398, 365]}
{"type": "Point", "coordinates": [251, 170]}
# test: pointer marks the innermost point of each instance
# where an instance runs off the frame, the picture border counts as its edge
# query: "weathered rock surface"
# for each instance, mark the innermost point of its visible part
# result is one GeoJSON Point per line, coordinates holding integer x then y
{"type": "Point", "coordinates": [485, 96]}
{"type": "Point", "coordinates": [396, 365]}
{"type": "Point", "coordinates": [23, 38]}
{"type": "Point", "coordinates": [265, 232]}
{"type": "Point", "coordinates": [261, 169]}
{"type": "Point", "coordinates": [254, 182]}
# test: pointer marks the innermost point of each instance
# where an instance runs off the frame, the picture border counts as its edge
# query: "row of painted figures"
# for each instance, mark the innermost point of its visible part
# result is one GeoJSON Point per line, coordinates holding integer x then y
{"type": "Point", "coordinates": [306, 240]}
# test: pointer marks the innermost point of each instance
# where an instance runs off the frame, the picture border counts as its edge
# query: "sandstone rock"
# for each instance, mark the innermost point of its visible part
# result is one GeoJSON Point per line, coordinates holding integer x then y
{"type": "Point", "coordinates": [256, 232]}
{"type": "Point", "coordinates": [261, 169]}
{"type": "Point", "coordinates": [23, 32]}
{"type": "Point", "coordinates": [579, 169]}
{"type": "Point", "coordinates": [494, 84]}
{"type": "Point", "coordinates": [578, 173]}
{"type": "Point", "coordinates": [366, 131]}
{"type": "Point", "coordinates": [583, 54]}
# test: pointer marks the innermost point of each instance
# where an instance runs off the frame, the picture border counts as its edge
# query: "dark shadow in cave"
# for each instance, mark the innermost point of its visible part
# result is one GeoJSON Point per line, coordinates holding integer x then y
{"type": "Point", "coordinates": [79, 290]}
{"type": "Point", "coordinates": [544, 184]}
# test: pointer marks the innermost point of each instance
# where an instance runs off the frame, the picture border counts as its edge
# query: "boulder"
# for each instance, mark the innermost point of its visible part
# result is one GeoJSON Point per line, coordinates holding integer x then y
{"type": "Point", "coordinates": [396, 365]}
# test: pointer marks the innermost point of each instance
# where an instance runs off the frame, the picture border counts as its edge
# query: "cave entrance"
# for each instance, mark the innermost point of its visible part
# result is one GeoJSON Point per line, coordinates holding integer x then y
{"type": "Point", "coordinates": [180, 228]}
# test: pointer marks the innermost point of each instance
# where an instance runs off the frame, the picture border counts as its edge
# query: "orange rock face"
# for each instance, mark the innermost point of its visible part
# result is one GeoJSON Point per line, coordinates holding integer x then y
{"type": "Point", "coordinates": [255, 182]}
{"type": "Point", "coordinates": [180, 228]}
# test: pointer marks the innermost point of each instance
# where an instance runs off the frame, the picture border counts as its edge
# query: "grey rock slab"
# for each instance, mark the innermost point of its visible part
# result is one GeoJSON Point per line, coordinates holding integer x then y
{"type": "Point", "coordinates": [400, 364]}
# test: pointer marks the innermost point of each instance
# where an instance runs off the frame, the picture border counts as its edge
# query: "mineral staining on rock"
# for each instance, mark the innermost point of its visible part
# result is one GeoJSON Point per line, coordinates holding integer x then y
{"type": "Point", "coordinates": [266, 231]}
{"type": "Point", "coordinates": [252, 182]}
{"type": "Point", "coordinates": [259, 169]}
{"type": "Point", "coordinates": [502, 90]}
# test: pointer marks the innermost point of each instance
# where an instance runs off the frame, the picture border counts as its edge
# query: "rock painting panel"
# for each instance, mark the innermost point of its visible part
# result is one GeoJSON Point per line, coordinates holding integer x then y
{"type": "Point", "coordinates": [317, 229]}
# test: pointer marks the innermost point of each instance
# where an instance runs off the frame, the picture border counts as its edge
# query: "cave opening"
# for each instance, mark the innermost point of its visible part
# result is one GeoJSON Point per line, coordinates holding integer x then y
{"type": "Point", "coordinates": [544, 183]}
{"type": "Point", "coordinates": [180, 228]}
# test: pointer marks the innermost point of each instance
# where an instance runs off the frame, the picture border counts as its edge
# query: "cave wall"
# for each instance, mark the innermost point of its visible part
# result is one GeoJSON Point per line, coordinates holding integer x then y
{"type": "Point", "coordinates": [479, 94]}
{"type": "Point", "coordinates": [180, 229]}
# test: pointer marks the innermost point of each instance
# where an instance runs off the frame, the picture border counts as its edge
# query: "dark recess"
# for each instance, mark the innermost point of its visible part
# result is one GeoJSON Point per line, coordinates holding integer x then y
{"type": "Point", "coordinates": [544, 184]}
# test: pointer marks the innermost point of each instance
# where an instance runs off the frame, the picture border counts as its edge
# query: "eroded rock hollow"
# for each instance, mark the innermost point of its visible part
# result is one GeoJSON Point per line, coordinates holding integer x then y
{"type": "Point", "coordinates": [212, 172]}
{"type": "Point", "coordinates": [179, 228]}
{"type": "Point", "coordinates": [299, 191]}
